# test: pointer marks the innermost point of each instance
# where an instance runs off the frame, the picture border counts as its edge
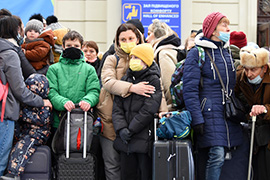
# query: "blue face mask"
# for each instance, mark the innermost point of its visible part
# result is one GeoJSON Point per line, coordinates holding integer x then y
{"type": "Point", "coordinates": [224, 36]}
{"type": "Point", "coordinates": [19, 40]}
{"type": "Point", "coordinates": [256, 80]}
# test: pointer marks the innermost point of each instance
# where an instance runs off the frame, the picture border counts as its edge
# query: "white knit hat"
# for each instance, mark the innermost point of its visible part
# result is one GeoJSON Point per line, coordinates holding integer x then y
{"type": "Point", "coordinates": [35, 25]}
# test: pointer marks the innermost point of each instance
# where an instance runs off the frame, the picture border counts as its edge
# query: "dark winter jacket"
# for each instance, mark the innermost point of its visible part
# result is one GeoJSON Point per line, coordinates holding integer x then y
{"type": "Point", "coordinates": [136, 112]}
{"type": "Point", "coordinates": [37, 120]}
{"type": "Point", "coordinates": [206, 104]}
{"type": "Point", "coordinates": [10, 71]}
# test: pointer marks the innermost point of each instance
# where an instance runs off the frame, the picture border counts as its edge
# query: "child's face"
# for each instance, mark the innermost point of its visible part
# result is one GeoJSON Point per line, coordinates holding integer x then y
{"type": "Point", "coordinates": [141, 64]}
{"type": "Point", "coordinates": [72, 43]}
{"type": "Point", "coordinates": [32, 34]}
{"type": "Point", "coordinates": [90, 54]}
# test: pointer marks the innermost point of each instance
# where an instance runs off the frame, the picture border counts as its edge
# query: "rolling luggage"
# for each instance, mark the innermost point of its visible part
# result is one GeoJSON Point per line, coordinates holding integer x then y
{"type": "Point", "coordinates": [172, 159]}
{"type": "Point", "coordinates": [76, 165]}
{"type": "Point", "coordinates": [39, 165]}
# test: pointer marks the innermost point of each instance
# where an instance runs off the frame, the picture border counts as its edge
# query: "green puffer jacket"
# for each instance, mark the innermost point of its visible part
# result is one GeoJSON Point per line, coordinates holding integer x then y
{"type": "Point", "coordinates": [72, 80]}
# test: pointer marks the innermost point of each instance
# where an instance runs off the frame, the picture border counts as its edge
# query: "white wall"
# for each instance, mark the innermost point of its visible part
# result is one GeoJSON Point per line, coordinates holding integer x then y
{"type": "Point", "coordinates": [98, 20]}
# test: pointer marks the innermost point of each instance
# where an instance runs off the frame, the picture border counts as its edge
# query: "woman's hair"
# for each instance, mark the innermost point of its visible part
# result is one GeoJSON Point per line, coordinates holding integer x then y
{"type": "Point", "coordinates": [91, 44]}
{"type": "Point", "coordinates": [19, 22]}
{"type": "Point", "coordinates": [127, 26]}
{"type": "Point", "coordinates": [8, 27]}
{"type": "Point", "coordinates": [224, 20]}
{"type": "Point", "coordinates": [73, 35]}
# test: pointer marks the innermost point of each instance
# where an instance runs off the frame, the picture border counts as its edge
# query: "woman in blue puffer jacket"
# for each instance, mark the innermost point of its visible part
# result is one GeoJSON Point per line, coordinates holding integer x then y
{"type": "Point", "coordinates": [206, 105]}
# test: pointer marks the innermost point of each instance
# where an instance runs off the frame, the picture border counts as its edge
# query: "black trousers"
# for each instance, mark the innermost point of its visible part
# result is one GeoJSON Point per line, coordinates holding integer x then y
{"type": "Point", "coordinates": [136, 166]}
{"type": "Point", "coordinates": [261, 164]}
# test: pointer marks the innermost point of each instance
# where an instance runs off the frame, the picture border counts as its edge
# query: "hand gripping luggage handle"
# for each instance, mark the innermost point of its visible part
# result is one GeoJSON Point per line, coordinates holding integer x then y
{"type": "Point", "coordinates": [84, 135]}
{"type": "Point", "coordinates": [251, 146]}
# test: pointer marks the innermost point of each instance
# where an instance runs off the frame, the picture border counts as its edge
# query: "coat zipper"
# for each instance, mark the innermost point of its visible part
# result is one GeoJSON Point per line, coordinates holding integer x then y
{"type": "Point", "coordinates": [227, 88]}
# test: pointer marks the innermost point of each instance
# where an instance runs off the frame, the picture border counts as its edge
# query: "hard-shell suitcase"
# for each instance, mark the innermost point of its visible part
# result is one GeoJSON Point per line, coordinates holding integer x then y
{"type": "Point", "coordinates": [76, 165]}
{"type": "Point", "coordinates": [39, 165]}
{"type": "Point", "coordinates": [172, 160]}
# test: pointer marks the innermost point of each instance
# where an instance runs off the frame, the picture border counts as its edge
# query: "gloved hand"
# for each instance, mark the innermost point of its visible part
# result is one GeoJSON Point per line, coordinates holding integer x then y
{"type": "Point", "coordinates": [198, 129]}
{"type": "Point", "coordinates": [125, 135]}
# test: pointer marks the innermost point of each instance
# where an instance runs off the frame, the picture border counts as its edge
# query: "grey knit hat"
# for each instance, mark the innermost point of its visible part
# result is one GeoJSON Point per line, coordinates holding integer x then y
{"type": "Point", "coordinates": [35, 25]}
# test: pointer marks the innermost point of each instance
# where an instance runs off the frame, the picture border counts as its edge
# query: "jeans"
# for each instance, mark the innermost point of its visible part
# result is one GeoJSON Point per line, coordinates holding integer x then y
{"type": "Point", "coordinates": [216, 157]}
{"type": "Point", "coordinates": [6, 139]}
{"type": "Point", "coordinates": [111, 159]}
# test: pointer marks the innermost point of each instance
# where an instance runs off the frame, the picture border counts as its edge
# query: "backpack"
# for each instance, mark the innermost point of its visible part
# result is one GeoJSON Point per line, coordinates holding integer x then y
{"type": "Point", "coordinates": [177, 125]}
{"type": "Point", "coordinates": [3, 97]}
{"type": "Point", "coordinates": [76, 132]}
{"type": "Point", "coordinates": [176, 87]}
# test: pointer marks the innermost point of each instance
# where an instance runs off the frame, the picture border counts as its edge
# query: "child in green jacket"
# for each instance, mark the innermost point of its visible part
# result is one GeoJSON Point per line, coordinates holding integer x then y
{"type": "Point", "coordinates": [72, 80]}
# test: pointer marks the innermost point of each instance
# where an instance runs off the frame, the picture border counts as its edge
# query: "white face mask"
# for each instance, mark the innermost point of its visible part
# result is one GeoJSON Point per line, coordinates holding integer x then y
{"type": "Point", "coordinates": [257, 80]}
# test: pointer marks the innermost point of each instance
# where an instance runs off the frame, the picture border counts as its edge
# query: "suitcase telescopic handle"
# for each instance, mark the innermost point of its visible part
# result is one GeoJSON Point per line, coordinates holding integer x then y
{"type": "Point", "coordinates": [155, 126]}
{"type": "Point", "coordinates": [84, 135]}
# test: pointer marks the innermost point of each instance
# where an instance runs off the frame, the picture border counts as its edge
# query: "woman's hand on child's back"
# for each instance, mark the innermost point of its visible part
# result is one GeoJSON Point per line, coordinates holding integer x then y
{"type": "Point", "coordinates": [142, 88]}
{"type": "Point", "coordinates": [69, 106]}
{"type": "Point", "coordinates": [47, 103]}
{"type": "Point", "coordinates": [85, 106]}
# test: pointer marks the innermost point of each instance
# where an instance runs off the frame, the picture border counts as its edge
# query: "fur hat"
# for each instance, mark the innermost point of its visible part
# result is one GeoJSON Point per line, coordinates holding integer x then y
{"type": "Point", "coordinates": [145, 52]}
{"type": "Point", "coordinates": [210, 23]}
{"type": "Point", "coordinates": [238, 39]}
{"type": "Point", "coordinates": [137, 23]}
{"type": "Point", "coordinates": [38, 84]}
{"type": "Point", "coordinates": [35, 25]}
{"type": "Point", "coordinates": [251, 57]}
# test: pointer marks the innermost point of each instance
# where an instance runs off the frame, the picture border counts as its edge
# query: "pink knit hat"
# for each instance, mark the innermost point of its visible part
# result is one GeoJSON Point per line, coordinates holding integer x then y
{"type": "Point", "coordinates": [210, 23]}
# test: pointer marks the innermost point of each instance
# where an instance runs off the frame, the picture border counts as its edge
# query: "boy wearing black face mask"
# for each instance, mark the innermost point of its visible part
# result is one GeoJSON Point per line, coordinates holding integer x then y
{"type": "Point", "coordinates": [72, 80]}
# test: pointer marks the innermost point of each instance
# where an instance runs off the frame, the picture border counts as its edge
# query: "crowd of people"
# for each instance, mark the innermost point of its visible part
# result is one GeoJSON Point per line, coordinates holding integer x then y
{"type": "Point", "coordinates": [49, 68]}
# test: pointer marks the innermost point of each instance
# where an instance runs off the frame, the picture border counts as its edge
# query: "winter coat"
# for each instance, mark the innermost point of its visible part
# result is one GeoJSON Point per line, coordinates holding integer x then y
{"type": "Point", "coordinates": [206, 104]}
{"type": "Point", "coordinates": [59, 32]}
{"type": "Point", "coordinates": [236, 55]}
{"type": "Point", "coordinates": [166, 57]}
{"type": "Point", "coordinates": [253, 98]}
{"type": "Point", "coordinates": [136, 112]}
{"type": "Point", "coordinates": [10, 71]}
{"type": "Point", "coordinates": [111, 75]}
{"type": "Point", "coordinates": [95, 64]}
{"type": "Point", "coordinates": [36, 121]}
{"type": "Point", "coordinates": [38, 51]}
{"type": "Point", "coordinates": [72, 80]}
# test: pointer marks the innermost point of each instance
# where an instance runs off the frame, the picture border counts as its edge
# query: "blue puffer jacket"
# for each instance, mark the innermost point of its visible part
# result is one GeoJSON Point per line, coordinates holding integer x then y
{"type": "Point", "coordinates": [206, 104]}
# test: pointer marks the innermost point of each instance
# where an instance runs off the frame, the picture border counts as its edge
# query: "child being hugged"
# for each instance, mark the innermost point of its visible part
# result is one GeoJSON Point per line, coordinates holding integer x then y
{"type": "Point", "coordinates": [35, 125]}
{"type": "Point", "coordinates": [37, 45]}
{"type": "Point", "coordinates": [133, 116]}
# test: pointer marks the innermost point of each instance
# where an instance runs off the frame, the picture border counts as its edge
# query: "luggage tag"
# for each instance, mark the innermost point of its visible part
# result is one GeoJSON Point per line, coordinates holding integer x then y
{"type": "Point", "coordinates": [228, 155]}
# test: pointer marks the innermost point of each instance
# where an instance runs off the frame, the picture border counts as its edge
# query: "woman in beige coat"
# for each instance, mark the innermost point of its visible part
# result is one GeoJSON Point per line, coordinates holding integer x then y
{"type": "Point", "coordinates": [115, 67]}
{"type": "Point", "coordinates": [164, 41]}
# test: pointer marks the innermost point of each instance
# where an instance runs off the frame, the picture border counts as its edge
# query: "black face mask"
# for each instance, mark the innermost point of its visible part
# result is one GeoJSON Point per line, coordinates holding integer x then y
{"type": "Point", "coordinates": [72, 53]}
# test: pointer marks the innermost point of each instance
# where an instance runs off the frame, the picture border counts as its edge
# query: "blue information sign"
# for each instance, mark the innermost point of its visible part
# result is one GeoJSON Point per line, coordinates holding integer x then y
{"type": "Point", "coordinates": [168, 11]}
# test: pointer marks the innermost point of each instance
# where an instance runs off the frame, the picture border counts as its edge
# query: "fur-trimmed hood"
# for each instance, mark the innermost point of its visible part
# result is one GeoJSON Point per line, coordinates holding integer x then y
{"type": "Point", "coordinates": [200, 40]}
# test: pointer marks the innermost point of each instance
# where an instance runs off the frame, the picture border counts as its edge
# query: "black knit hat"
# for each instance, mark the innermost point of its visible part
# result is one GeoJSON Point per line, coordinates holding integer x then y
{"type": "Point", "coordinates": [137, 23]}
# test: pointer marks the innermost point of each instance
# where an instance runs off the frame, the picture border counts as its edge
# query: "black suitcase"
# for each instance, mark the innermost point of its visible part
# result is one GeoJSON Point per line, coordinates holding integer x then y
{"type": "Point", "coordinates": [39, 165]}
{"type": "Point", "coordinates": [76, 165]}
{"type": "Point", "coordinates": [172, 160]}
